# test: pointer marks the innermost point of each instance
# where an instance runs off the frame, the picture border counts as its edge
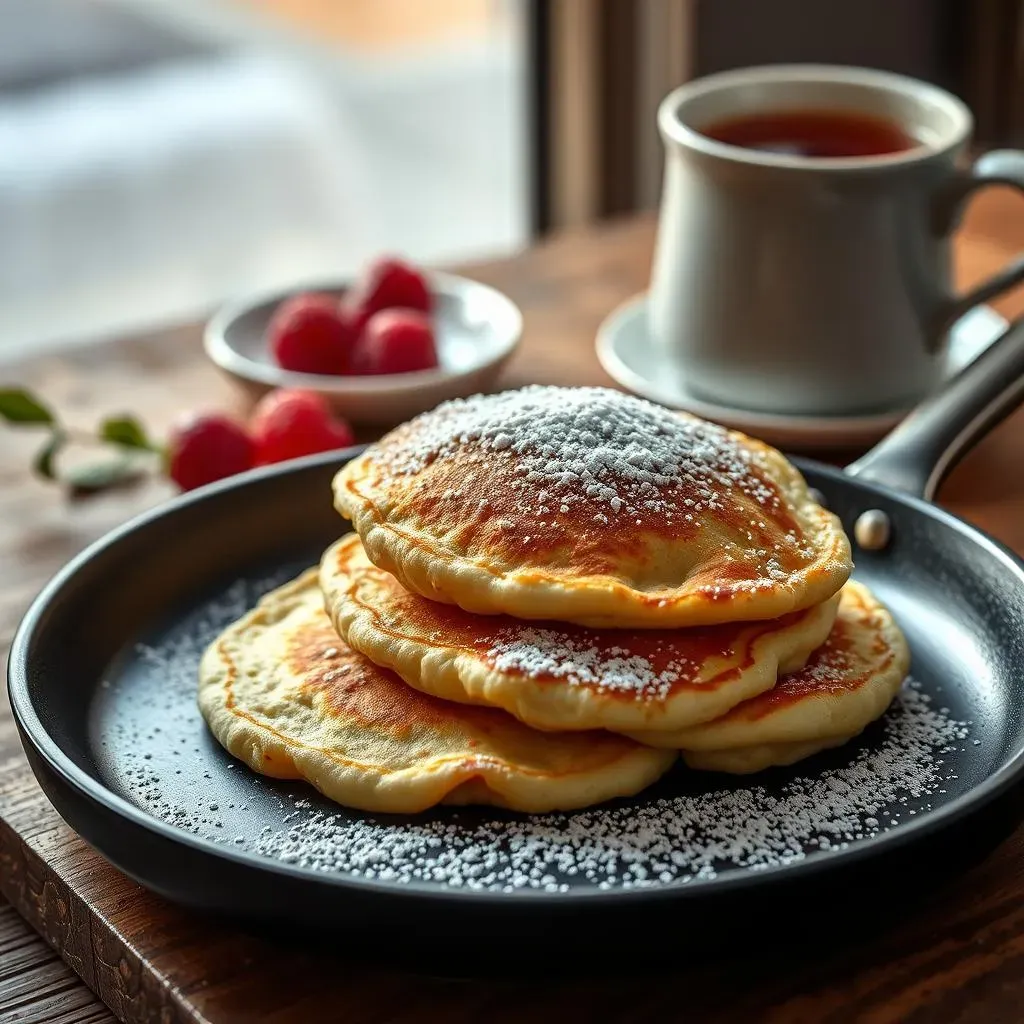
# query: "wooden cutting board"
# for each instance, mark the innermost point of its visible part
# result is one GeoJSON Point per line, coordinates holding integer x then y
{"type": "Point", "coordinates": [151, 961]}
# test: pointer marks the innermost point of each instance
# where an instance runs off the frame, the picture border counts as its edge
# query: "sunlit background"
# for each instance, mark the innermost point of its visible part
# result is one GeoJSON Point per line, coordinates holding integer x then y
{"type": "Point", "coordinates": [160, 156]}
{"type": "Point", "coordinates": [157, 156]}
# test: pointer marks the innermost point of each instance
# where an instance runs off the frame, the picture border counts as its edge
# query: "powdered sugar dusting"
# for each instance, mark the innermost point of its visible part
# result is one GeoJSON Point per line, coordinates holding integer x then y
{"type": "Point", "coordinates": [153, 747]}
{"type": "Point", "coordinates": [539, 652]}
{"type": "Point", "coordinates": [618, 455]}
{"type": "Point", "coordinates": [674, 839]}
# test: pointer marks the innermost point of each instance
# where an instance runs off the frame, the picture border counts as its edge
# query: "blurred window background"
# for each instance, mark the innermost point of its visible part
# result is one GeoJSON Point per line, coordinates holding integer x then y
{"type": "Point", "coordinates": [611, 63]}
{"type": "Point", "coordinates": [158, 156]}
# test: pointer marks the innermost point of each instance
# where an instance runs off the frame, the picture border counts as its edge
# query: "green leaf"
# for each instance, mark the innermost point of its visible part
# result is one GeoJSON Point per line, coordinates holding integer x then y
{"type": "Point", "coordinates": [127, 432]}
{"type": "Point", "coordinates": [92, 478]}
{"type": "Point", "coordinates": [42, 464]}
{"type": "Point", "coordinates": [19, 406]}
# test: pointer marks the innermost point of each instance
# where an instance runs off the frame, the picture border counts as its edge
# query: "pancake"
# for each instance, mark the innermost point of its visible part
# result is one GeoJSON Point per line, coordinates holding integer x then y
{"type": "Point", "coordinates": [846, 684]}
{"type": "Point", "coordinates": [590, 506]}
{"type": "Point", "coordinates": [567, 677]}
{"type": "Point", "coordinates": [281, 692]}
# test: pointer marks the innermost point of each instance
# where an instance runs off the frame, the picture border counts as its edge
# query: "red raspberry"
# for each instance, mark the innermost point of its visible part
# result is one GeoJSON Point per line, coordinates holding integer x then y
{"type": "Point", "coordinates": [395, 341]}
{"type": "Point", "coordinates": [290, 422]}
{"type": "Point", "coordinates": [203, 447]}
{"type": "Point", "coordinates": [389, 283]}
{"type": "Point", "coordinates": [356, 317]}
{"type": "Point", "coordinates": [311, 333]}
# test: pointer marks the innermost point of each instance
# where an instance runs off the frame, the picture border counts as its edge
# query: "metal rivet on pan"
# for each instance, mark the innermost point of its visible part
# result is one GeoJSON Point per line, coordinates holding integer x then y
{"type": "Point", "coordinates": [872, 529]}
{"type": "Point", "coordinates": [817, 496]}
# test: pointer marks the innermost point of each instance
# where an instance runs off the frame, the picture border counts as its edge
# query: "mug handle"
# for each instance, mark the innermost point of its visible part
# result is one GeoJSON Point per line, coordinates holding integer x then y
{"type": "Point", "coordinates": [997, 167]}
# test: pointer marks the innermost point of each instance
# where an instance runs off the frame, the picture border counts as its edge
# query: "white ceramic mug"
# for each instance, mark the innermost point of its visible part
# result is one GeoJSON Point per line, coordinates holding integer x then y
{"type": "Point", "coordinates": [816, 286]}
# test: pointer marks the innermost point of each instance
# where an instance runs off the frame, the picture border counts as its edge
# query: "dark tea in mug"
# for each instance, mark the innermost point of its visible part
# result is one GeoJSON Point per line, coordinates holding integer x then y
{"type": "Point", "coordinates": [812, 133]}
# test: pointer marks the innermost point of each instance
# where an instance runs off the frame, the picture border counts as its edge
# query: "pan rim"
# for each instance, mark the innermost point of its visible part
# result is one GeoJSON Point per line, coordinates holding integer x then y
{"type": "Point", "coordinates": [90, 788]}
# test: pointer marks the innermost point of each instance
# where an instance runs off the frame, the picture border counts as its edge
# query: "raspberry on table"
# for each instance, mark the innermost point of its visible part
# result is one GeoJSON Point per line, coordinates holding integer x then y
{"type": "Point", "coordinates": [291, 422]}
{"type": "Point", "coordinates": [389, 283]}
{"type": "Point", "coordinates": [312, 333]}
{"type": "Point", "coordinates": [204, 447]}
{"type": "Point", "coordinates": [395, 341]}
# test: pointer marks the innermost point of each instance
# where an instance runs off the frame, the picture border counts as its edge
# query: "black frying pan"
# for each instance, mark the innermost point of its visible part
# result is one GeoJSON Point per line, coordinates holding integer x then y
{"type": "Point", "coordinates": [111, 729]}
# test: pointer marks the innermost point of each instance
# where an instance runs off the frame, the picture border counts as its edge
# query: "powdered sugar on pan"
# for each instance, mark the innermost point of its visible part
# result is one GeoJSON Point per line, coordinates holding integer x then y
{"type": "Point", "coordinates": [677, 839]}
{"type": "Point", "coordinates": [619, 454]}
{"type": "Point", "coordinates": [156, 750]}
{"type": "Point", "coordinates": [232, 604]}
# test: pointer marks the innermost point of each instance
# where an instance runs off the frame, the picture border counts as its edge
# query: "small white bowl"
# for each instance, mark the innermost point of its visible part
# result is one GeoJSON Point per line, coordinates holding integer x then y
{"type": "Point", "coordinates": [476, 329]}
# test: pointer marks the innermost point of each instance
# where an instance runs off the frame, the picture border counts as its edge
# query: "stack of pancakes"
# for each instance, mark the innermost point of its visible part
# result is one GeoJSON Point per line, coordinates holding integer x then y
{"type": "Point", "coordinates": [549, 595]}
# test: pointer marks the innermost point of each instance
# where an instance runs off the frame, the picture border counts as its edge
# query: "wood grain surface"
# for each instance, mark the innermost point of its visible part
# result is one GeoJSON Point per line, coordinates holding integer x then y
{"type": "Point", "coordinates": [35, 984]}
{"type": "Point", "coordinates": [957, 959]}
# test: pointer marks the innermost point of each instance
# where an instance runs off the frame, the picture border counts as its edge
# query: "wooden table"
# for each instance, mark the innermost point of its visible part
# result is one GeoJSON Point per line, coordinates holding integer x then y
{"type": "Point", "coordinates": [959, 960]}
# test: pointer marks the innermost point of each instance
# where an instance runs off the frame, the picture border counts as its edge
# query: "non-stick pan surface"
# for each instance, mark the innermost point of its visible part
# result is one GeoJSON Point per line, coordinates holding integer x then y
{"type": "Point", "coordinates": [102, 682]}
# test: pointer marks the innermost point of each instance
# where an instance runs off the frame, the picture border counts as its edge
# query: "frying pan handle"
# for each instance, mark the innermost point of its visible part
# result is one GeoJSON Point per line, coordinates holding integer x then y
{"type": "Point", "coordinates": [918, 454]}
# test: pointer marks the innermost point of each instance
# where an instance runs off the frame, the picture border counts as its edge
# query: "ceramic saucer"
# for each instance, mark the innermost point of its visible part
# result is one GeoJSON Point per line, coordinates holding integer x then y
{"type": "Point", "coordinates": [625, 351]}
